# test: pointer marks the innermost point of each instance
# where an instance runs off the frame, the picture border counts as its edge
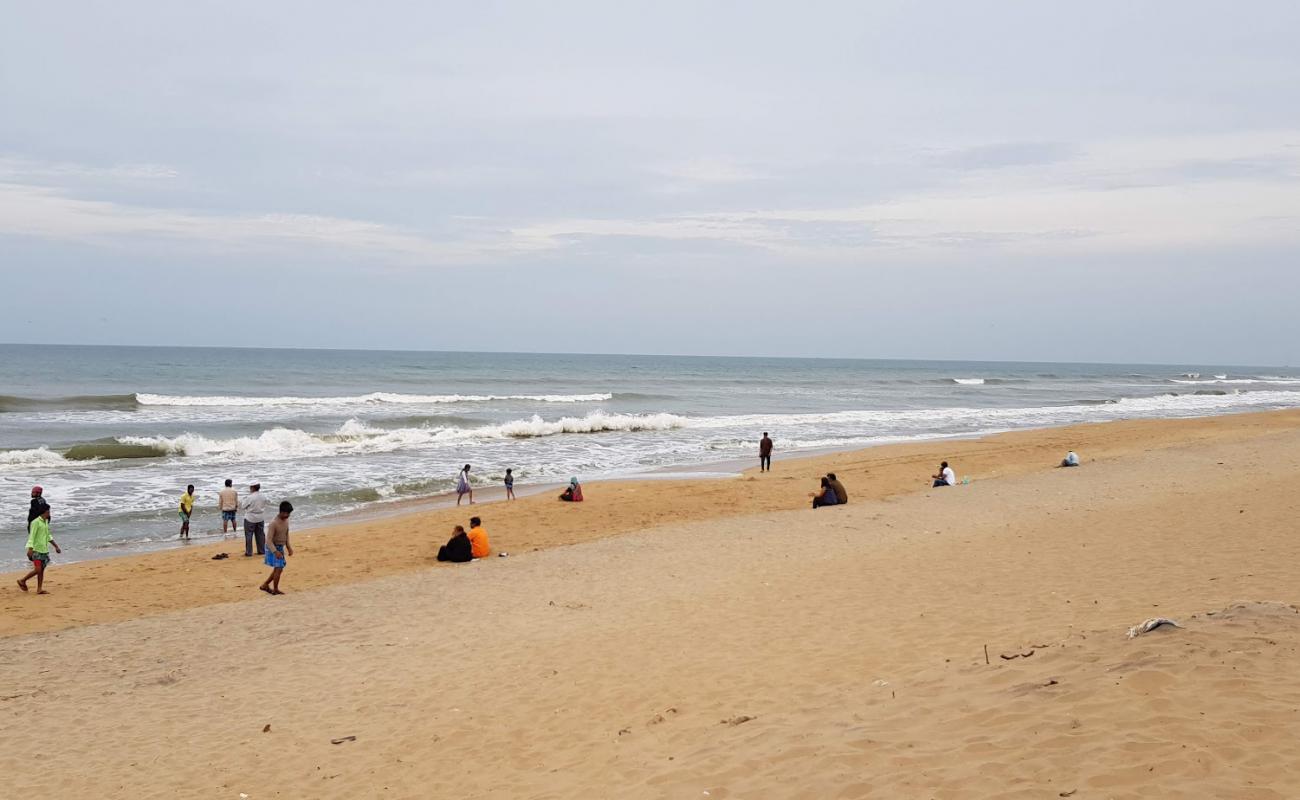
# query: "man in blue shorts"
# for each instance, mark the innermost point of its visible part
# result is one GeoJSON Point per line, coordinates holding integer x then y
{"type": "Point", "coordinates": [278, 548]}
{"type": "Point", "coordinates": [229, 499]}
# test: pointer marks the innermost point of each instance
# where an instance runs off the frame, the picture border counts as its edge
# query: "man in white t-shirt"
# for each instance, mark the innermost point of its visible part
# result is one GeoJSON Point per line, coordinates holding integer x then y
{"type": "Point", "coordinates": [945, 476]}
{"type": "Point", "coordinates": [254, 507]}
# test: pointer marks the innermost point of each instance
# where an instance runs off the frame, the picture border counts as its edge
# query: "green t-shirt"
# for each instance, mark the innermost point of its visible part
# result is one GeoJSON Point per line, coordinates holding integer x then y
{"type": "Point", "coordinates": [38, 535]}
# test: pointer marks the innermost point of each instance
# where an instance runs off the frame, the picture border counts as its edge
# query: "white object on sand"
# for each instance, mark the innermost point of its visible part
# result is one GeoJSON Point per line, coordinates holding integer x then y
{"type": "Point", "coordinates": [1150, 625]}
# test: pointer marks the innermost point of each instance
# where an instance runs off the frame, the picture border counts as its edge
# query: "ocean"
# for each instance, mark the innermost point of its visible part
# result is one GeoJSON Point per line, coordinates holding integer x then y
{"type": "Point", "coordinates": [114, 434]}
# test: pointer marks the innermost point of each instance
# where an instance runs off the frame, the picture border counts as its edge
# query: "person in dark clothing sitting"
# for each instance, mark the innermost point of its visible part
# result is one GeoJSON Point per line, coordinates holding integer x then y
{"type": "Point", "coordinates": [840, 494]}
{"type": "Point", "coordinates": [825, 497]}
{"type": "Point", "coordinates": [457, 549]}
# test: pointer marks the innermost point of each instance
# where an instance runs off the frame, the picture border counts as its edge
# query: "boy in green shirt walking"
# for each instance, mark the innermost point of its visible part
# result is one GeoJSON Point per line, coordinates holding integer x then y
{"type": "Point", "coordinates": [38, 550]}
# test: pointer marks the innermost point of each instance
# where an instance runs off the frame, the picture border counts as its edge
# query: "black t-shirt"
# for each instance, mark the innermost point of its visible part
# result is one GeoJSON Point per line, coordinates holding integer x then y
{"type": "Point", "coordinates": [38, 508]}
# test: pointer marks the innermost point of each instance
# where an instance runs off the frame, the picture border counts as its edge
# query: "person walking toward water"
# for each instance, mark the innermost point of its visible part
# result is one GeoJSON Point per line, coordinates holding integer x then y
{"type": "Point", "coordinates": [254, 520]}
{"type": "Point", "coordinates": [765, 454]}
{"type": "Point", "coordinates": [229, 501]}
{"type": "Point", "coordinates": [39, 543]}
{"type": "Point", "coordinates": [462, 486]}
{"type": "Point", "coordinates": [510, 484]}
{"type": "Point", "coordinates": [278, 548]}
{"type": "Point", "coordinates": [187, 509]}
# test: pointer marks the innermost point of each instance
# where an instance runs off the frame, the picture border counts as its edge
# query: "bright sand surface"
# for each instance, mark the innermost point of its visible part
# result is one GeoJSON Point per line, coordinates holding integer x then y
{"type": "Point", "coordinates": [728, 643]}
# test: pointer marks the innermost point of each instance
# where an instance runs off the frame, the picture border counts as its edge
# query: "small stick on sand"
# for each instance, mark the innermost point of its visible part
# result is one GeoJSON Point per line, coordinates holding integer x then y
{"type": "Point", "coordinates": [986, 654]}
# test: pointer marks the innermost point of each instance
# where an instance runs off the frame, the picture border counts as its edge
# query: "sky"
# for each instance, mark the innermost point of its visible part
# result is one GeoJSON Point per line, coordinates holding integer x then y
{"type": "Point", "coordinates": [1110, 181]}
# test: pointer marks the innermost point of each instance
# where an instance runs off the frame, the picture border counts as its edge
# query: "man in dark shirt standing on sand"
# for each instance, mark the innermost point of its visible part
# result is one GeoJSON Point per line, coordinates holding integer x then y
{"type": "Point", "coordinates": [765, 454]}
{"type": "Point", "coordinates": [277, 548]}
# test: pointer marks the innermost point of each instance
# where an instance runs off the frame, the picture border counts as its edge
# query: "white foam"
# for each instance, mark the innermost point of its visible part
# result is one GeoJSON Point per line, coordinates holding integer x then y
{"type": "Point", "coordinates": [356, 437]}
{"type": "Point", "coordinates": [969, 381]}
{"type": "Point", "coordinates": [374, 398]}
{"type": "Point", "coordinates": [1239, 381]}
{"type": "Point", "coordinates": [34, 458]}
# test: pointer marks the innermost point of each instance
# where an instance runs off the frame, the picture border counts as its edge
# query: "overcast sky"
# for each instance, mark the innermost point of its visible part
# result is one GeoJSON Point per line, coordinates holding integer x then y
{"type": "Point", "coordinates": [1109, 181]}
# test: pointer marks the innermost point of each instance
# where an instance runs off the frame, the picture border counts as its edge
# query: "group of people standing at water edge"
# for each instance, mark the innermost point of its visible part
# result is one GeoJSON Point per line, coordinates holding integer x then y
{"type": "Point", "coordinates": [272, 543]}
{"type": "Point", "coordinates": [253, 508]}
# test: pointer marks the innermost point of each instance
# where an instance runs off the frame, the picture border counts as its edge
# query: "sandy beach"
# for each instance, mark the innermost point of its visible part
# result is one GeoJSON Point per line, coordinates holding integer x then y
{"type": "Point", "coordinates": [713, 638]}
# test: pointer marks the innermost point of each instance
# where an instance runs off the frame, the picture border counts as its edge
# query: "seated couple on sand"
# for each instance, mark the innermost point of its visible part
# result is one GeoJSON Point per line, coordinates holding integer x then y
{"type": "Point", "coordinates": [832, 493]}
{"type": "Point", "coordinates": [573, 492]}
{"type": "Point", "coordinates": [464, 546]}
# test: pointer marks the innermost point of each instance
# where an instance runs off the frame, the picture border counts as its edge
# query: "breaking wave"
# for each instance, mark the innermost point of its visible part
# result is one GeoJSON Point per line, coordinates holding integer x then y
{"type": "Point", "coordinates": [89, 402]}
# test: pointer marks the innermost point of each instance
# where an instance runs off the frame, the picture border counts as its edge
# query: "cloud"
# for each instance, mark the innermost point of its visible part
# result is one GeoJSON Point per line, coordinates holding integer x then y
{"type": "Point", "coordinates": [1006, 154]}
{"type": "Point", "coordinates": [51, 214]}
{"type": "Point", "coordinates": [25, 170]}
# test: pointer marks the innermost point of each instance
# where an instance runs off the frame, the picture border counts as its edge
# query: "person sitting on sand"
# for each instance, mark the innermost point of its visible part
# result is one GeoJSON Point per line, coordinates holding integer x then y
{"type": "Point", "coordinates": [458, 548]}
{"type": "Point", "coordinates": [573, 492]}
{"type": "Point", "coordinates": [945, 476]}
{"type": "Point", "coordinates": [841, 496]}
{"type": "Point", "coordinates": [39, 542]}
{"type": "Point", "coordinates": [1071, 459]}
{"type": "Point", "coordinates": [478, 539]}
{"type": "Point", "coordinates": [825, 496]}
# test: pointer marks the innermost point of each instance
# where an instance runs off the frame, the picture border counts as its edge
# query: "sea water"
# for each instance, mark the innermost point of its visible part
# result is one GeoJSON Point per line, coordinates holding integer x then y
{"type": "Point", "coordinates": [114, 434]}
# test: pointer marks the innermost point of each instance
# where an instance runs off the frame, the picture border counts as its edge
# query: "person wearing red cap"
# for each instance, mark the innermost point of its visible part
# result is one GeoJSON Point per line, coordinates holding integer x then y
{"type": "Point", "coordinates": [38, 505]}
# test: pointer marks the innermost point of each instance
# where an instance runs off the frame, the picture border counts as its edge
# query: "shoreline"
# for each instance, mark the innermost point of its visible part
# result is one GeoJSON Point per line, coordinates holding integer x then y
{"type": "Point", "coordinates": [113, 589]}
{"type": "Point", "coordinates": [721, 469]}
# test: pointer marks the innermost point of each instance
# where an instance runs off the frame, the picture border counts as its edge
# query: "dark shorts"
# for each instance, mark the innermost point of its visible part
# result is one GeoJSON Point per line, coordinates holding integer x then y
{"type": "Point", "coordinates": [275, 558]}
{"type": "Point", "coordinates": [41, 558]}
{"type": "Point", "coordinates": [227, 516]}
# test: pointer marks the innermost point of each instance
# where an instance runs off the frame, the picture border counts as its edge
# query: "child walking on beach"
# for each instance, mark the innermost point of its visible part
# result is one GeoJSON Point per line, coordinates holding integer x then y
{"type": "Point", "coordinates": [510, 484]}
{"type": "Point", "coordinates": [462, 486]}
{"type": "Point", "coordinates": [39, 542]}
{"type": "Point", "coordinates": [277, 548]}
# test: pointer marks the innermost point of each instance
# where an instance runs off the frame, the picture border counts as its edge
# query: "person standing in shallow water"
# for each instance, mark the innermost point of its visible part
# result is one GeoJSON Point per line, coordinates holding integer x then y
{"type": "Point", "coordinates": [463, 486]}
{"type": "Point", "coordinates": [229, 501]}
{"type": "Point", "coordinates": [765, 454]}
{"type": "Point", "coordinates": [278, 548]}
{"type": "Point", "coordinates": [186, 510]}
